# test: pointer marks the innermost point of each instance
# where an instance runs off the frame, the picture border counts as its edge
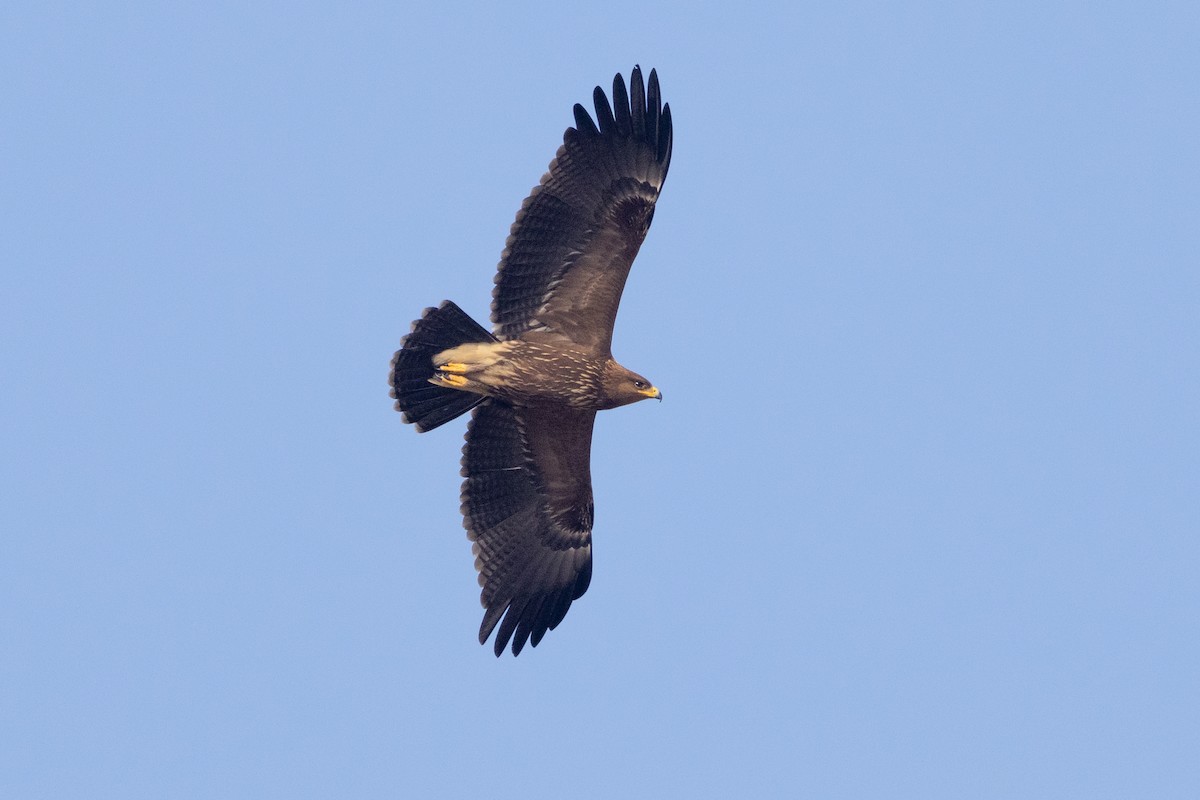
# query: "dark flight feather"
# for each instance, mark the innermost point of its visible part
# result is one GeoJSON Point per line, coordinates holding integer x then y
{"type": "Point", "coordinates": [526, 501]}
{"type": "Point", "coordinates": [575, 237]}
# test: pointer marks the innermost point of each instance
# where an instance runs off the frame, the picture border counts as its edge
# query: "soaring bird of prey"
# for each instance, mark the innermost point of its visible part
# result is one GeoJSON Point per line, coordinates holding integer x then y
{"type": "Point", "coordinates": [537, 380]}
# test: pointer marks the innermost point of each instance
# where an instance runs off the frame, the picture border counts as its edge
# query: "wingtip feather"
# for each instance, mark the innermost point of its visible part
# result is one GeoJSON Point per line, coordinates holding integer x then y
{"type": "Point", "coordinates": [604, 112]}
{"type": "Point", "coordinates": [621, 106]}
{"type": "Point", "coordinates": [583, 121]}
{"type": "Point", "coordinates": [666, 137]}
{"type": "Point", "coordinates": [637, 98]}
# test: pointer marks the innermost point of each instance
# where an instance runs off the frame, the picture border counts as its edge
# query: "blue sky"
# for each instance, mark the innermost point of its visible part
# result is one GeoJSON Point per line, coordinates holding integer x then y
{"type": "Point", "coordinates": [918, 517]}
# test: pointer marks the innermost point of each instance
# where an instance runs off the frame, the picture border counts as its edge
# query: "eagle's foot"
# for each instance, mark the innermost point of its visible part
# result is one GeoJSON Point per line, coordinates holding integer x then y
{"type": "Point", "coordinates": [448, 379]}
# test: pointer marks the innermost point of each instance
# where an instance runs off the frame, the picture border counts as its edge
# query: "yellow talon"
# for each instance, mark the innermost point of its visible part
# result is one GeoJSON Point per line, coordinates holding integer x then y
{"type": "Point", "coordinates": [454, 367]}
{"type": "Point", "coordinates": [450, 380]}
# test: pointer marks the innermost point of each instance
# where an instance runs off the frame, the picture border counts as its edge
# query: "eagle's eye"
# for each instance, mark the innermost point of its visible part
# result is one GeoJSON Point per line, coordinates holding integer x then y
{"type": "Point", "coordinates": [639, 385]}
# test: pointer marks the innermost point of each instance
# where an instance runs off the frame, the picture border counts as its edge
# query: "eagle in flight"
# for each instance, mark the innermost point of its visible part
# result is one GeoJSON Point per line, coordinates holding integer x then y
{"type": "Point", "coordinates": [538, 378]}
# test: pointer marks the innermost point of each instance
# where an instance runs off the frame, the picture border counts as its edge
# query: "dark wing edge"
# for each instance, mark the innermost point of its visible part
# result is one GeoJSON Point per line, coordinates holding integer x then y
{"type": "Point", "coordinates": [527, 508]}
{"type": "Point", "coordinates": [569, 251]}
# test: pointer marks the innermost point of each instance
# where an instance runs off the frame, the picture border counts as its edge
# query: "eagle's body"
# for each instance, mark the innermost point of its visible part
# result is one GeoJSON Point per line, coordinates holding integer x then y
{"type": "Point", "coordinates": [537, 381]}
{"type": "Point", "coordinates": [539, 370]}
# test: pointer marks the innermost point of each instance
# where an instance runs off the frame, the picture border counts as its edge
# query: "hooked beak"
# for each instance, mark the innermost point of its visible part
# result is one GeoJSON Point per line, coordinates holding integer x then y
{"type": "Point", "coordinates": [653, 393]}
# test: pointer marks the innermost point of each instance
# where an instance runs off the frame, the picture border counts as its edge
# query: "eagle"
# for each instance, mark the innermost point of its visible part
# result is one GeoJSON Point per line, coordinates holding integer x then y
{"type": "Point", "coordinates": [535, 381]}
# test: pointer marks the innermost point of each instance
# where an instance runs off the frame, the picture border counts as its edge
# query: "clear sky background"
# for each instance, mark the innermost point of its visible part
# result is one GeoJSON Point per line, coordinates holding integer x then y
{"type": "Point", "coordinates": [918, 518]}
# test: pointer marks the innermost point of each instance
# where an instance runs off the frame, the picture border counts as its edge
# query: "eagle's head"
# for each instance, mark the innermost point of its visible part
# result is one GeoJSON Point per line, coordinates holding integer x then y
{"type": "Point", "coordinates": [621, 386]}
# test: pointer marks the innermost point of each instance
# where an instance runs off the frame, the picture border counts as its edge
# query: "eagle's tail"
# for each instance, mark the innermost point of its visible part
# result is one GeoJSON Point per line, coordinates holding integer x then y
{"type": "Point", "coordinates": [423, 403]}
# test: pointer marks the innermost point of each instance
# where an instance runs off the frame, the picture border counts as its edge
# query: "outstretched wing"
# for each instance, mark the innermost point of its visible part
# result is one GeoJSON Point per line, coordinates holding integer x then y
{"type": "Point", "coordinates": [527, 506]}
{"type": "Point", "coordinates": [569, 252]}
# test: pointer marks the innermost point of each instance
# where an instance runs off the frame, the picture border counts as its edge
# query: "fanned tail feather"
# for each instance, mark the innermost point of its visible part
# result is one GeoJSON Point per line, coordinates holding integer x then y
{"type": "Point", "coordinates": [423, 404]}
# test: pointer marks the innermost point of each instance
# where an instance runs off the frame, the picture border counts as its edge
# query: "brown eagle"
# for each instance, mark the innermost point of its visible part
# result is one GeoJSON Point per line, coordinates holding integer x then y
{"type": "Point", "coordinates": [537, 381]}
